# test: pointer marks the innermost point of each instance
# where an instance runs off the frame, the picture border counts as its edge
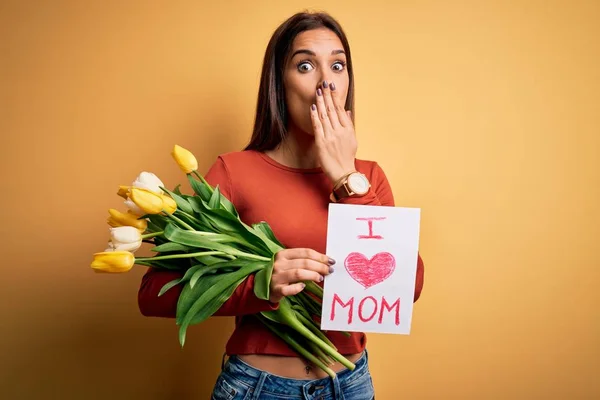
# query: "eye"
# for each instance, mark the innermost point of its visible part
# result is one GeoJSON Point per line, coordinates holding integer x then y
{"type": "Point", "coordinates": [340, 66]}
{"type": "Point", "coordinates": [304, 66]}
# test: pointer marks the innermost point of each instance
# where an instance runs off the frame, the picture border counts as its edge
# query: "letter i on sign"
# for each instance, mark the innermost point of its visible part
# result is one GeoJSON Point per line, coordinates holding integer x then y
{"type": "Point", "coordinates": [372, 288]}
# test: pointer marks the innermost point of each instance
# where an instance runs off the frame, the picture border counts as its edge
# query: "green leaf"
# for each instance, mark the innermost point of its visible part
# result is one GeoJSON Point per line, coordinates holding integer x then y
{"type": "Point", "coordinates": [186, 277]}
{"type": "Point", "coordinates": [213, 291]}
{"type": "Point", "coordinates": [195, 239]}
{"type": "Point", "coordinates": [158, 220]}
{"type": "Point", "coordinates": [268, 232]}
{"type": "Point", "coordinates": [259, 230]}
{"type": "Point", "coordinates": [209, 260]}
{"type": "Point", "coordinates": [181, 202]}
{"type": "Point", "coordinates": [177, 190]}
{"type": "Point", "coordinates": [228, 206]}
{"type": "Point", "coordinates": [190, 294]}
{"type": "Point", "coordinates": [170, 247]}
{"type": "Point", "coordinates": [215, 199]}
{"type": "Point", "coordinates": [194, 222]}
{"type": "Point", "coordinates": [215, 303]}
{"type": "Point", "coordinates": [227, 223]}
{"type": "Point", "coordinates": [199, 188]}
{"type": "Point", "coordinates": [229, 266]}
{"type": "Point", "coordinates": [168, 286]}
{"type": "Point", "coordinates": [175, 265]}
{"type": "Point", "coordinates": [262, 281]}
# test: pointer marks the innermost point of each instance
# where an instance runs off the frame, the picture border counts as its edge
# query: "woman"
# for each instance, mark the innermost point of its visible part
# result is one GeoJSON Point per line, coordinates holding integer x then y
{"type": "Point", "coordinates": [301, 157]}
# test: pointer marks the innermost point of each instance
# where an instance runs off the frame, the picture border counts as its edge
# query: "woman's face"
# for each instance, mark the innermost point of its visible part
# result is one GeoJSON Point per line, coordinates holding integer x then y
{"type": "Point", "coordinates": [317, 55]}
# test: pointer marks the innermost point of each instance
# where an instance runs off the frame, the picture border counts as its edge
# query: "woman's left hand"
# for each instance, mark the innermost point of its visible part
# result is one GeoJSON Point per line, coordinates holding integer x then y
{"type": "Point", "coordinates": [334, 133]}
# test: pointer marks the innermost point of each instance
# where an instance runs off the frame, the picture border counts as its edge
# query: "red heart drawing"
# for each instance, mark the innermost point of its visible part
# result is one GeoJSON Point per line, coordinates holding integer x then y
{"type": "Point", "coordinates": [370, 272]}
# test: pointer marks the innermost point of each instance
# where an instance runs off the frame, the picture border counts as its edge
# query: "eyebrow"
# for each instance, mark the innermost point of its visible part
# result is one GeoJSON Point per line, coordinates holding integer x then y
{"type": "Point", "coordinates": [312, 53]}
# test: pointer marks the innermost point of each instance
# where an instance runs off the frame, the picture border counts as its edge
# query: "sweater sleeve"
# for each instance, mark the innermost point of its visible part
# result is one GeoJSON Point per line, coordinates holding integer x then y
{"type": "Point", "coordinates": [380, 194]}
{"type": "Point", "coordinates": [243, 301]}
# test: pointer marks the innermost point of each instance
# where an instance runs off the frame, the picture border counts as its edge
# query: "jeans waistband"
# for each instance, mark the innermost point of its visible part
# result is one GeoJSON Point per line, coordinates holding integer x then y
{"type": "Point", "coordinates": [249, 375]}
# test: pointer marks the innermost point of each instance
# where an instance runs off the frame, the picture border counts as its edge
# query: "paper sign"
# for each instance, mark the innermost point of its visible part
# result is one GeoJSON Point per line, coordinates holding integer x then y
{"type": "Point", "coordinates": [372, 287]}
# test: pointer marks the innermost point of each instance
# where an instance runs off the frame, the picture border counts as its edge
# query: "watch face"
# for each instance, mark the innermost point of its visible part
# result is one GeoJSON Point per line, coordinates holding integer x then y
{"type": "Point", "coordinates": [358, 183]}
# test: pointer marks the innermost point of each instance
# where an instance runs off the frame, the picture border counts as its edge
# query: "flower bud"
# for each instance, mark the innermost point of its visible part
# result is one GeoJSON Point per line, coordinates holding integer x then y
{"type": "Point", "coordinates": [145, 202]}
{"type": "Point", "coordinates": [125, 238]}
{"type": "Point", "coordinates": [185, 159]}
{"type": "Point", "coordinates": [118, 218]}
{"type": "Point", "coordinates": [148, 181]}
{"type": "Point", "coordinates": [169, 205]}
{"type": "Point", "coordinates": [123, 191]}
{"type": "Point", "coordinates": [113, 261]}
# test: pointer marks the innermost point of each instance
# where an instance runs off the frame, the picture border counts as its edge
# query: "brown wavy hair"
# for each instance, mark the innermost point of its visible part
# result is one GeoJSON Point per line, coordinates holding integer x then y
{"type": "Point", "coordinates": [270, 123]}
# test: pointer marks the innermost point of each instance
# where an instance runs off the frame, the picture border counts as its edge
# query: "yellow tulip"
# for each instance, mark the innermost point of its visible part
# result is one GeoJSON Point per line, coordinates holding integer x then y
{"type": "Point", "coordinates": [146, 201]}
{"type": "Point", "coordinates": [113, 261]}
{"type": "Point", "coordinates": [169, 205]}
{"type": "Point", "coordinates": [118, 218]}
{"type": "Point", "coordinates": [185, 159]}
{"type": "Point", "coordinates": [123, 191]}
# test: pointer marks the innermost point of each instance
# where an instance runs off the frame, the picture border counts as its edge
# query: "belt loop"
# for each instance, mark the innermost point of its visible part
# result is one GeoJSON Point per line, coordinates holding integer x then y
{"type": "Point", "coordinates": [223, 361]}
{"type": "Point", "coordinates": [337, 389]}
{"type": "Point", "coordinates": [259, 385]}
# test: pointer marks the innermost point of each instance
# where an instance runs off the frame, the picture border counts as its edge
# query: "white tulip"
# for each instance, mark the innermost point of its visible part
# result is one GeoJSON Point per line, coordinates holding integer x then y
{"type": "Point", "coordinates": [148, 181]}
{"type": "Point", "coordinates": [134, 208]}
{"type": "Point", "coordinates": [125, 238]}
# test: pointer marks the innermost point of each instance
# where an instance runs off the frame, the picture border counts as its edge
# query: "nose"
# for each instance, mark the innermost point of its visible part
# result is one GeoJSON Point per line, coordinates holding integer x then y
{"type": "Point", "coordinates": [325, 77]}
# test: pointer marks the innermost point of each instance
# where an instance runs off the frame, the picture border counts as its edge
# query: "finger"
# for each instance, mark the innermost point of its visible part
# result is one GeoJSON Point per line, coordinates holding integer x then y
{"type": "Point", "coordinates": [322, 112]}
{"type": "Point", "coordinates": [332, 113]}
{"type": "Point", "coordinates": [312, 265]}
{"type": "Point", "coordinates": [299, 275]}
{"type": "Point", "coordinates": [316, 123]}
{"type": "Point", "coordinates": [338, 104]}
{"type": "Point", "coordinates": [290, 290]}
{"type": "Point", "coordinates": [291, 254]}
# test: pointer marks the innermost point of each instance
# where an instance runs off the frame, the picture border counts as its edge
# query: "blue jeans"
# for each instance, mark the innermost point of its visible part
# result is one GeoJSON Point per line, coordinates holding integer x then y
{"type": "Point", "coordinates": [240, 381]}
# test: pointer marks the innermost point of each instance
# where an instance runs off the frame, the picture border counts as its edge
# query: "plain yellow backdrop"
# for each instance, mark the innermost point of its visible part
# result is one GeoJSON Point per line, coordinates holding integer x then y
{"type": "Point", "coordinates": [485, 114]}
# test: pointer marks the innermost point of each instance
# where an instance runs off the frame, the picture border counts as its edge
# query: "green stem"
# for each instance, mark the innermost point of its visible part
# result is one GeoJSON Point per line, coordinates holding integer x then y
{"type": "Point", "coordinates": [151, 235]}
{"type": "Point", "coordinates": [321, 354]}
{"type": "Point", "coordinates": [296, 346]}
{"type": "Point", "coordinates": [247, 255]}
{"type": "Point", "coordinates": [315, 289]}
{"type": "Point", "coordinates": [304, 331]}
{"type": "Point", "coordinates": [210, 188]}
{"type": "Point", "coordinates": [180, 222]}
{"type": "Point", "coordinates": [310, 324]}
{"type": "Point", "coordinates": [186, 255]}
{"type": "Point", "coordinates": [196, 220]}
{"type": "Point", "coordinates": [308, 303]}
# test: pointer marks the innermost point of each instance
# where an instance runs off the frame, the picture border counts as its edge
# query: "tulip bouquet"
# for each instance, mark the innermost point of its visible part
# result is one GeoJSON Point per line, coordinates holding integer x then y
{"type": "Point", "coordinates": [202, 236]}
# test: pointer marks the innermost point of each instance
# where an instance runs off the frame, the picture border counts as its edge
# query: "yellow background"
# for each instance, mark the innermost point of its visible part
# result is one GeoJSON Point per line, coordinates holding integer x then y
{"type": "Point", "coordinates": [483, 113]}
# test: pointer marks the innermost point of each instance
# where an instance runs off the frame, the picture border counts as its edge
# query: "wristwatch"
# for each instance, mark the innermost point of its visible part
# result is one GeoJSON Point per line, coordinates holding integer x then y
{"type": "Point", "coordinates": [352, 184]}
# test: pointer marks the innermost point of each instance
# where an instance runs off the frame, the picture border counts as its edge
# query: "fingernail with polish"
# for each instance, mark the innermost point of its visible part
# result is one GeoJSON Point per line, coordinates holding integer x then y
{"type": "Point", "coordinates": [313, 107]}
{"type": "Point", "coordinates": [321, 278]}
{"type": "Point", "coordinates": [332, 86]}
{"type": "Point", "coordinates": [331, 269]}
{"type": "Point", "coordinates": [319, 92]}
{"type": "Point", "coordinates": [325, 84]}
{"type": "Point", "coordinates": [331, 261]}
